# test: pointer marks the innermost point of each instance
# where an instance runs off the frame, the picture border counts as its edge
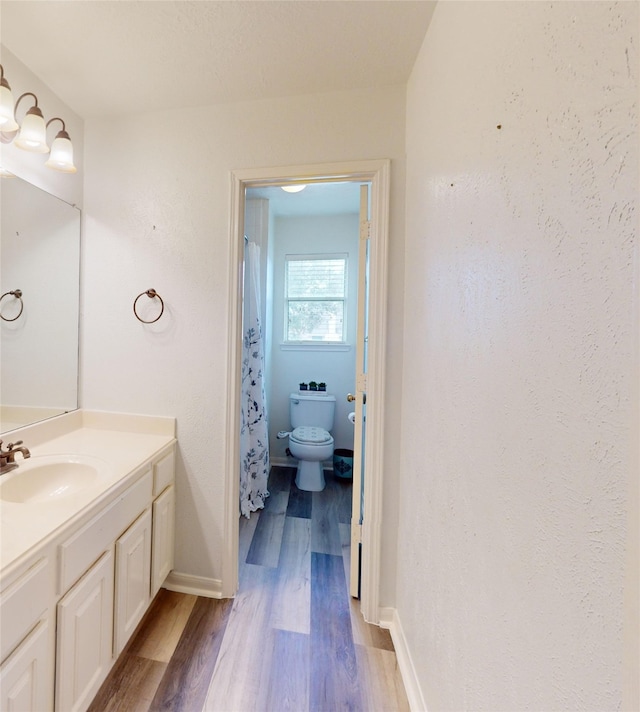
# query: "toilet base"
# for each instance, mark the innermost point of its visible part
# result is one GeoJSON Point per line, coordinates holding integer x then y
{"type": "Point", "coordinates": [310, 476]}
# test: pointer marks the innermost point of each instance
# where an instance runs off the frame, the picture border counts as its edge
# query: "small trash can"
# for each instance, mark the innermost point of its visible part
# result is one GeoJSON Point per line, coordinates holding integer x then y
{"type": "Point", "coordinates": [343, 463]}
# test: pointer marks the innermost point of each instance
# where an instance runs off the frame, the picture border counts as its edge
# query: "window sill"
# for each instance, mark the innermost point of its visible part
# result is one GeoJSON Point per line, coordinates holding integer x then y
{"type": "Point", "coordinates": [315, 347]}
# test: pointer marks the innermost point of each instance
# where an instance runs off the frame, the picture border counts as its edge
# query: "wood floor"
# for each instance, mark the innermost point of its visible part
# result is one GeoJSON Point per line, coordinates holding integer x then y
{"type": "Point", "coordinates": [291, 640]}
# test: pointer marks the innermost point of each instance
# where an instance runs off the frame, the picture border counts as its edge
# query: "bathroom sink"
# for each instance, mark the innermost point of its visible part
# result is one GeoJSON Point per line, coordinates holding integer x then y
{"type": "Point", "coordinates": [50, 478]}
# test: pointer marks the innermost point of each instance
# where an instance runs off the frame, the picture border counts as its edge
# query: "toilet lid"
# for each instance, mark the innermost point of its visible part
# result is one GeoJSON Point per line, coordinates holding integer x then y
{"type": "Point", "coordinates": [311, 434]}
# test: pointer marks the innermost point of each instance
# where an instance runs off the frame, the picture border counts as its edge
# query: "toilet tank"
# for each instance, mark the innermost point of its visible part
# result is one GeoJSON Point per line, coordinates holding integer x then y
{"type": "Point", "coordinates": [312, 409]}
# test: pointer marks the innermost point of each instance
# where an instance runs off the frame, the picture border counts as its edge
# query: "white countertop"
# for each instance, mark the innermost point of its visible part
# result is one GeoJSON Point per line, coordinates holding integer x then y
{"type": "Point", "coordinates": [124, 442]}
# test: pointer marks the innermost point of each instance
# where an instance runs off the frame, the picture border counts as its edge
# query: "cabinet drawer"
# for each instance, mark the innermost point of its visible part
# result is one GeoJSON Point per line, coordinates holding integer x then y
{"type": "Point", "coordinates": [163, 472]}
{"type": "Point", "coordinates": [79, 551]}
{"type": "Point", "coordinates": [23, 603]}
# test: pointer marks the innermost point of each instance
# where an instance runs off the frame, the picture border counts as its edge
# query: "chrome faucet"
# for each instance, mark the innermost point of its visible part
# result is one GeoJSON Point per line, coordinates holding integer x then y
{"type": "Point", "coordinates": [7, 457]}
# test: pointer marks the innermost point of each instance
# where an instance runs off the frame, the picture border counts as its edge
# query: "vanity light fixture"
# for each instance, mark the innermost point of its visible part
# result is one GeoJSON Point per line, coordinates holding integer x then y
{"type": "Point", "coordinates": [32, 134]}
{"type": "Point", "coordinates": [293, 188]}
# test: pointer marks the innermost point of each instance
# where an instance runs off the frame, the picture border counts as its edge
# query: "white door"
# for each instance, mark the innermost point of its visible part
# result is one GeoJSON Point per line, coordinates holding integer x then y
{"type": "Point", "coordinates": [360, 396]}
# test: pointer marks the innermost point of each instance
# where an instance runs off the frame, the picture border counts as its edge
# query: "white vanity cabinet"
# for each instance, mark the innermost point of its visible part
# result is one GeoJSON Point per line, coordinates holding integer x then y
{"type": "Point", "coordinates": [69, 610]}
{"type": "Point", "coordinates": [84, 637]}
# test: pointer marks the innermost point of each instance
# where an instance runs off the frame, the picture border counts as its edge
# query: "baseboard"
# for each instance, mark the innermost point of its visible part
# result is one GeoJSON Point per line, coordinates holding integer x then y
{"type": "Point", "coordinates": [291, 462]}
{"type": "Point", "coordinates": [385, 617]}
{"type": "Point", "coordinates": [195, 585]}
{"type": "Point", "coordinates": [283, 462]}
{"type": "Point", "coordinates": [389, 619]}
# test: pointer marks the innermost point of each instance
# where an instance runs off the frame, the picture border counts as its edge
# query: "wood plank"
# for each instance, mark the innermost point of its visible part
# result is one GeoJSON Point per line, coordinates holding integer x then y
{"type": "Point", "coordinates": [288, 689]}
{"type": "Point", "coordinates": [241, 675]}
{"type": "Point", "coordinates": [186, 680]}
{"type": "Point", "coordinates": [281, 478]}
{"type": "Point", "coordinates": [247, 529]}
{"type": "Point", "coordinates": [267, 540]}
{"type": "Point", "coordinates": [264, 550]}
{"type": "Point", "coordinates": [277, 502]}
{"type": "Point", "coordinates": [299, 503]}
{"type": "Point", "coordinates": [380, 680]}
{"type": "Point", "coordinates": [292, 595]}
{"type": "Point", "coordinates": [334, 671]}
{"type": "Point", "coordinates": [130, 686]}
{"type": "Point", "coordinates": [342, 489]}
{"type": "Point", "coordinates": [161, 628]}
{"type": "Point", "coordinates": [325, 533]}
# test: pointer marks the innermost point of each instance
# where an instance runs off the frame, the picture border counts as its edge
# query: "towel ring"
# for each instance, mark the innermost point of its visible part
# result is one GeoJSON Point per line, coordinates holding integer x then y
{"type": "Point", "coordinates": [151, 293]}
{"type": "Point", "coordinates": [17, 293]}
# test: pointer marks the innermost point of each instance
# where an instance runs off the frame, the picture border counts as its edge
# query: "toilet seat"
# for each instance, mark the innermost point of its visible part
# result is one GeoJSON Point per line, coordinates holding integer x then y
{"type": "Point", "coordinates": [311, 435]}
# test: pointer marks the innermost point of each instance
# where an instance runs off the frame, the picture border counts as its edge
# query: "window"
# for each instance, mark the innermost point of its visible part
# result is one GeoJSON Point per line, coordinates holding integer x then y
{"type": "Point", "coordinates": [315, 296]}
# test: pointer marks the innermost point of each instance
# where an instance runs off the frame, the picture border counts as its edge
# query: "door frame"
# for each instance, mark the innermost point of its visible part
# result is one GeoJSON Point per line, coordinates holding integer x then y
{"type": "Point", "coordinates": [377, 172]}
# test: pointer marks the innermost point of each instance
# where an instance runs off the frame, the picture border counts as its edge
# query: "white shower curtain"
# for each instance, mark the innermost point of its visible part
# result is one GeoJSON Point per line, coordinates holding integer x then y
{"type": "Point", "coordinates": [254, 437]}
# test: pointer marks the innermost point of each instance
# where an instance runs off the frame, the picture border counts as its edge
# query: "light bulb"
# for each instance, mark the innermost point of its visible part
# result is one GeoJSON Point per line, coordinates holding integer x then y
{"type": "Point", "coordinates": [7, 118]}
{"type": "Point", "coordinates": [33, 133]}
{"type": "Point", "coordinates": [61, 158]}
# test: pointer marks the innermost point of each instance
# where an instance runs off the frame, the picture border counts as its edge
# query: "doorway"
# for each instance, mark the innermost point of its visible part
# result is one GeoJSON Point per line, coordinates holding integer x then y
{"type": "Point", "coordinates": [377, 174]}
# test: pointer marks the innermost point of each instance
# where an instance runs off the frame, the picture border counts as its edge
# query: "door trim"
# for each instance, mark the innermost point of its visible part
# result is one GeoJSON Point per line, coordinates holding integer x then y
{"type": "Point", "coordinates": [377, 172]}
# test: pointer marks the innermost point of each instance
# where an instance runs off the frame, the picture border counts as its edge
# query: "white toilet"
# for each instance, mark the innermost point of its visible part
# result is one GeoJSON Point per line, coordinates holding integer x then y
{"type": "Point", "coordinates": [310, 441]}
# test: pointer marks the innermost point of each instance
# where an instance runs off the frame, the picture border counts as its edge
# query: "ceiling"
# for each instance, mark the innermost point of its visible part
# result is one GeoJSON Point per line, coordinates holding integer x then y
{"type": "Point", "coordinates": [106, 58]}
{"type": "Point", "coordinates": [316, 199]}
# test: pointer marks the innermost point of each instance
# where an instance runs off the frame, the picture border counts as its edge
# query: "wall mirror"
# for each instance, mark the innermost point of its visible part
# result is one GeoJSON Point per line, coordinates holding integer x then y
{"type": "Point", "coordinates": [40, 264]}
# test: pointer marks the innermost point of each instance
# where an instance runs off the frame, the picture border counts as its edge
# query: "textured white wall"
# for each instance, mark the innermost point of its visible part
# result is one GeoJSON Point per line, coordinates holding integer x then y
{"type": "Point", "coordinates": [157, 215]}
{"type": "Point", "coordinates": [522, 190]}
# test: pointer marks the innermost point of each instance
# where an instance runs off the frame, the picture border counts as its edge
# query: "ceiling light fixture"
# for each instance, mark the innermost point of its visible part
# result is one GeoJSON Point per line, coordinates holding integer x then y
{"type": "Point", "coordinates": [293, 188]}
{"type": "Point", "coordinates": [32, 134]}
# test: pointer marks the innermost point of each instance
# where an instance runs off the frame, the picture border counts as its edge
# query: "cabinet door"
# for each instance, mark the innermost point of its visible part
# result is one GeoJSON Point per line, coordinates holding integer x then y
{"type": "Point", "coordinates": [85, 637]}
{"type": "Point", "coordinates": [163, 536]}
{"type": "Point", "coordinates": [133, 577]}
{"type": "Point", "coordinates": [26, 677]}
